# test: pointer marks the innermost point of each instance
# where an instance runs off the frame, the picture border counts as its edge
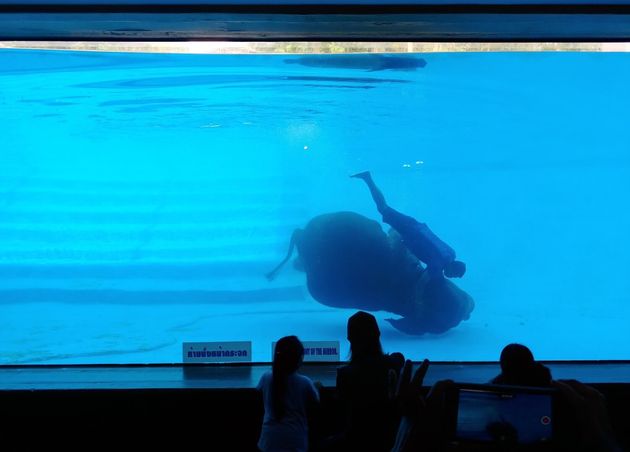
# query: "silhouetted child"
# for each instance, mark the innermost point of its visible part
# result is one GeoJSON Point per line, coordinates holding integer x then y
{"type": "Point", "coordinates": [417, 237]}
{"type": "Point", "coordinates": [289, 399]}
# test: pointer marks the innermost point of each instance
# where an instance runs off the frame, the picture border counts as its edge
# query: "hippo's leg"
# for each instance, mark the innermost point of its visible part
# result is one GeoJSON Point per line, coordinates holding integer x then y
{"type": "Point", "coordinates": [407, 325]}
{"type": "Point", "coordinates": [295, 237]}
{"type": "Point", "coordinates": [442, 307]}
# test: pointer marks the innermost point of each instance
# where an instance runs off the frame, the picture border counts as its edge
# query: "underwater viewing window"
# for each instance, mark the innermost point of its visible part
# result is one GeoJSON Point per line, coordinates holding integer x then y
{"type": "Point", "coordinates": [147, 189]}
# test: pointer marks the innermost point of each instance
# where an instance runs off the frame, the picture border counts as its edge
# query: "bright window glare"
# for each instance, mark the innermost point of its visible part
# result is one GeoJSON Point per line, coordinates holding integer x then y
{"type": "Point", "coordinates": [316, 47]}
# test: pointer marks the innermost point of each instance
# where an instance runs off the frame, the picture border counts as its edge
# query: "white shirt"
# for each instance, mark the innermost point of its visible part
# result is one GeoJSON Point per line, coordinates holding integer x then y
{"type": "Point", "coordinates": [291, 432]}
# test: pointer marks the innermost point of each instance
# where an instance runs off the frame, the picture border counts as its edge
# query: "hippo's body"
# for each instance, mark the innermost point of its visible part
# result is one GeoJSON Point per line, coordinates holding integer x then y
{"type": "Point", "coordinates": [347, 260]}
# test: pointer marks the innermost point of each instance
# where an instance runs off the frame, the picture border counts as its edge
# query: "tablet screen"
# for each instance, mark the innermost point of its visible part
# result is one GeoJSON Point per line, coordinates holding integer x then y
{"type": "Point", "coordinates": [490, 416]}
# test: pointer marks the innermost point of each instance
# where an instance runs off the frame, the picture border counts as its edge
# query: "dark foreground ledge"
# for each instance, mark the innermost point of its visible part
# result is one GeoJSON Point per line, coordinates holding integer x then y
{"type": "Point", "coordinates": [307, 21]}
{"type": "Point", "coordinates": [246, 376]}
{"type": "Point", "coordinates": [205, 407]}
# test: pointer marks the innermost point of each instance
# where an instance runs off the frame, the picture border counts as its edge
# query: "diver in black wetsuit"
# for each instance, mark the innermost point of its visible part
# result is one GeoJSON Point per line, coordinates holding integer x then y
{"type": "Point", "coordinates": [436, 304]}
{"type": "Point", "coordinates": [417, 237]}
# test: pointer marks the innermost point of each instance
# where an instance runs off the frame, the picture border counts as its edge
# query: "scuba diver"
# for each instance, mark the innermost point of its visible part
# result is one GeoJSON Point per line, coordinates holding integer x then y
{"type": "Point", "coordinates": [350, 262]}
{"type": "Point", "coordinates": [417, 237]}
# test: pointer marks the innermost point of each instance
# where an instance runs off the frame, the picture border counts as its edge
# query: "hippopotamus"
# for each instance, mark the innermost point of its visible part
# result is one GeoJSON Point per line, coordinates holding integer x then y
{"type": "Point", "coordinates": [350, 262]}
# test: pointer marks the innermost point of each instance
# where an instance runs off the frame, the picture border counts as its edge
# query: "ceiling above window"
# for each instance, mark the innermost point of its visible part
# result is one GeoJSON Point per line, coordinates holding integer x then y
{"type": "Point", "coordinates": [312, 20]}
{"type": "Point", "coordinates": [313, 2]}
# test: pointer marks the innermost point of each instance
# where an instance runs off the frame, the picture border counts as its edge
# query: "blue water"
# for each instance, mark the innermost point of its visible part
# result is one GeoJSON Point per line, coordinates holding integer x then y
{"type": "Point", "coordinates": [143, 197]}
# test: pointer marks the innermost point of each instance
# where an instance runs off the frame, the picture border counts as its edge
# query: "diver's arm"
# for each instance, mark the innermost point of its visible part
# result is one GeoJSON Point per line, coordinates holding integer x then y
{"type": "Point", "coordinates": [435, 272]}
{"type": "Point", "coordinates": [294, 237]}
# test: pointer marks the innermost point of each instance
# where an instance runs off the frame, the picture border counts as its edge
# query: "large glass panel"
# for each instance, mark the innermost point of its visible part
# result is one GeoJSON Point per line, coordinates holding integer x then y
{"type": "Point", "coordinates": [144, 197]}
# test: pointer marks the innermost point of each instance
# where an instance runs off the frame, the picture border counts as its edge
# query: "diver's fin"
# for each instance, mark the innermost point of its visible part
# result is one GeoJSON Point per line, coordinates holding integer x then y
{"type": "Point", "coordinates": [294, 238]}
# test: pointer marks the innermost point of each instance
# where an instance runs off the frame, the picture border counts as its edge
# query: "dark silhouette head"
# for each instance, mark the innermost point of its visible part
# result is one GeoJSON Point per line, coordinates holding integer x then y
{"type": "Point", "coordinates": [287, 358]}
{"type": "Point", "coordinates": [516, 359]}
{"type": "Point", "coordinates": [364, 336]}
{"type": "Point", "coordinates": [518, 367]}
{"type": "Point", "coordinates": [455, 269]}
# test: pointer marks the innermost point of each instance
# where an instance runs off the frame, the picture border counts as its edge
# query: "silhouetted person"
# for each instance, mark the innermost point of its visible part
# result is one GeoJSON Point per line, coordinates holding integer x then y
{"type": "Point", "coordinates": [417, 237]}
{"type": "Point", "coordinates": [366, 388]}
{"type": "Point", "coordinates": [589, 429]}
{"type": "Point", "coordinates": [289, 399]}
{"type": "Point", "coordinates": [519, 368]}
{"type": "Point", "coordinates": [583, 417]}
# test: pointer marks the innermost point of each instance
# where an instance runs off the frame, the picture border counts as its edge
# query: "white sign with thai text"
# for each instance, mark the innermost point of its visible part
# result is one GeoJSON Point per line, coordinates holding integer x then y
{"type": "Point", "coordinates": [317, 351]}
{"type": "Point", "coordinates": [217, 352]}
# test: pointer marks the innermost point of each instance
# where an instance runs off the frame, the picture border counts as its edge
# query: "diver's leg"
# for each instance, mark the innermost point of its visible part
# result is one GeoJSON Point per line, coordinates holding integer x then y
{"type": "Point", "coordinates": [392, 217]}
{"type": "Point", "coordinates": [377, 195]}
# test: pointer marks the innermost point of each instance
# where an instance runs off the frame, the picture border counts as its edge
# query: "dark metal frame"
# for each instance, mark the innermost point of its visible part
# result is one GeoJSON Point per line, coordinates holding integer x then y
{"type": "Point", "coordinates": [308, 22]}
{"type": "Point", "coordinates": [343, 22]}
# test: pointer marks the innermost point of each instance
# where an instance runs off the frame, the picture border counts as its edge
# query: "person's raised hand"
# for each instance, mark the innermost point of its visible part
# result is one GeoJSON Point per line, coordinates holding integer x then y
{"type": "Point", "coordinates": [593, 429]}
{"type": "Point", "coordinates": [409, 391]}
{"type": "Point", "coordinates": [421, 416]}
